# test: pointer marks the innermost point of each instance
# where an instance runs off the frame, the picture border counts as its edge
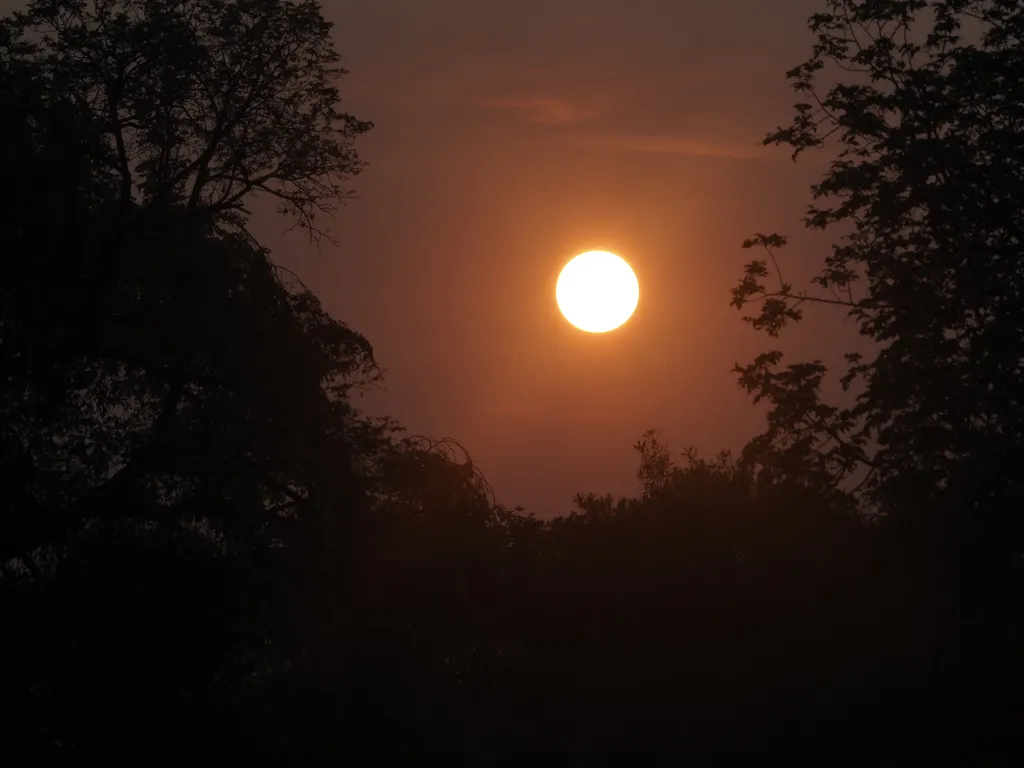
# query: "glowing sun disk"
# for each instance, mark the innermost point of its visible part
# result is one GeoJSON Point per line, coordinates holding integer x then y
{"type": "Point", "coordinates": [597, 291]}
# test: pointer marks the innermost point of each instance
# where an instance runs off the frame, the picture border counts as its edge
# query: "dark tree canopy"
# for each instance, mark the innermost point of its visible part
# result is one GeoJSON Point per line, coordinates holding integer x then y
{"type": "Point", "coordinates": [175, 420]}
{"type": "Point", "coordinates": [920, 105]}
{"type": "Point", "coordinates": [204, 103]}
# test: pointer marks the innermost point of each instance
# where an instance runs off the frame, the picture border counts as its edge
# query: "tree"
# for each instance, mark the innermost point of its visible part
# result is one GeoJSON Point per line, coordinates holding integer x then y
{"type": "Point", "coordinates": [126, 120]}
{"type": "Point", "coordinates": [202, 477]}
{"type": "Point", "coordinates": [174, 406]}
{"type": "Point", "coordinates": [205, 103]}
{"type": "Point", "coordinates": [919, 103]}
{"type": "Point", "coordinates": [137, 132]}
{"type": "Point", "coordinates": [230, 376]}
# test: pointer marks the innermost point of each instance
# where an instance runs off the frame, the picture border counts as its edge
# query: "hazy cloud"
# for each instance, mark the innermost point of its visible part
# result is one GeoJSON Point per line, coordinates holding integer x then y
{"type": "Point", "coordinates": [678, 145]}
{"type": "Point", "coordinates": [548, 110]}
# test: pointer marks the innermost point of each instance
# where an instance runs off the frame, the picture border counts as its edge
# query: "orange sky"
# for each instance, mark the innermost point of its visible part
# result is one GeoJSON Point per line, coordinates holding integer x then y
{"type": "Point", "coordinates": [512, 134]}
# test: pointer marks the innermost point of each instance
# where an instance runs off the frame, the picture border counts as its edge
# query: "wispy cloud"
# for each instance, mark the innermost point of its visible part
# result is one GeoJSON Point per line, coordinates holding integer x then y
{"type": "Point", "coordinates": [677, 145]}
{"type": "Point", "coordinates": [571, 93]}
{"type": "Point", "coordinates": [548, 110]}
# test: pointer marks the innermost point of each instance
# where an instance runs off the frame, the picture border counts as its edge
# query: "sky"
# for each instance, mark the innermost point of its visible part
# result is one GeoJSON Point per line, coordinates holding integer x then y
{"type": "Point", "coordinates": [511, 135]}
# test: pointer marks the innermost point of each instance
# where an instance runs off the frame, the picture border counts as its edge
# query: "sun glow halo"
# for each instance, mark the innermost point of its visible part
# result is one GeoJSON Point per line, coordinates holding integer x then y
{"type": "Point", "coordinates": [597, 291]}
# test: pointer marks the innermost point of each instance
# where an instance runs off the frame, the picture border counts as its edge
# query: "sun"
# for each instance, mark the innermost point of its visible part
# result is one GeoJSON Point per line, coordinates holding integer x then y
{"type": "Point", "coordinates": [597, 291]}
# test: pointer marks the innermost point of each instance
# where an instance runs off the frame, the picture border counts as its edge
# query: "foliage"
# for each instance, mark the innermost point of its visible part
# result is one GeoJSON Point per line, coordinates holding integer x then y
{"type": "Point", "coordinates": [919, 104]}
{"type": "Point", "coordinates": [203, 103]}
{"type": "Point", "coordinates": [175, 407]}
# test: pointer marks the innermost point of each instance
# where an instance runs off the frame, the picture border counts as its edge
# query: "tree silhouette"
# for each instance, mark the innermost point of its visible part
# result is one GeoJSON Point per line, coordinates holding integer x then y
{"type": "Point", "coordinates": [923, 125]}
{"type": "Point", "coordinates": [204, 103]}
{"type": "Point", "coordinates": [918, 105]}
{"type": "Point", "coordinates": [128, 123]}
{"type": "Point", "coordinates": [148, 292]}
{"type": "Point", "coordinates": [175, 406]}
